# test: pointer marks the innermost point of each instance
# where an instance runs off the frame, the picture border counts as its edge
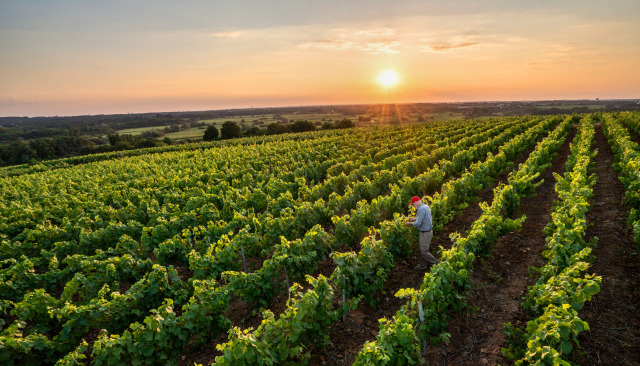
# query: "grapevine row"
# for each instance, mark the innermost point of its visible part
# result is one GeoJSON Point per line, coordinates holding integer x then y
{"type": "Point", "coordinates": [18, 170]}
{"type": "Point", "coordinates": [444, 288]}
{"type": "Point", "coordinates": [363, 273]}
{"type": "Point", "coordinates": [561, 290]}
{"type": "Point", "coordinates": [627, 162]}
{"type": "Point", "coordinates": [100, 222]}
{"type": "Point", "coordinates": [83, 314]}
{"type": "Point", "coordinates": [258, 288]}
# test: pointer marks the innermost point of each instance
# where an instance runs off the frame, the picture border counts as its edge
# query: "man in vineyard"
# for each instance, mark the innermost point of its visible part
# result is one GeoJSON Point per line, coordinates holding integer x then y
{"type": "Point", "coordinates": [424, 223]}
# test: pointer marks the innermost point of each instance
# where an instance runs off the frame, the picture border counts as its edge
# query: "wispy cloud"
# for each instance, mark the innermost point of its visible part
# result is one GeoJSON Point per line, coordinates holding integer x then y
{"type": "Point", "coordinates": [384, 32]}
{"type": "Point", "coordinates": [559, 53]}
{"type": "Point", "coordinates": [381, 47]}
{"type": "Point", "coordinates": [562, 50]}
{"type": "Point", "coordinates": [454, 43]}
{"type": "Point", "coordinates": [374, 41]}
{"type": "Point", "coordinates": [542, 63]}
{"type": "Point", "coordinates": [329, 44]}
{"type": "Point", "coordinates": [227, 34]}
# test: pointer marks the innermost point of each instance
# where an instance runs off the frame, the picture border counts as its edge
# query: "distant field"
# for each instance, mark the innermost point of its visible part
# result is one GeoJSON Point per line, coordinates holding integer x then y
{"type": "Point", "coordinates": [570, 106]}
{"type": "Point", "coordinates": [267, 119]}
{"type": "Point", "coordinates": [193, 133]}
{"type": "Point", "coordinates": [196, 133]}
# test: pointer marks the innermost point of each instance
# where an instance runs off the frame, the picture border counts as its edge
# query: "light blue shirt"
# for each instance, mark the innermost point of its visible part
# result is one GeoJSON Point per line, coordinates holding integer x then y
{"type": "Point", "coordinates": [423, 218]}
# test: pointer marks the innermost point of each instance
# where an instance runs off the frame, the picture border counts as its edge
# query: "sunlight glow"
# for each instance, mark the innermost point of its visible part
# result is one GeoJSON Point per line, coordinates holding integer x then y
{"type": "Point", "coordinates": [388, 78]}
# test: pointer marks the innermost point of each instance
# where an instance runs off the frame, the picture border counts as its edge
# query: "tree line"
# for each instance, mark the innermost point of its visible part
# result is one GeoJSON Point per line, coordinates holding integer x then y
{"type": "Point", "coordinates": [230, 129]}
{"type": "Point", "coordinates": [12, 129]}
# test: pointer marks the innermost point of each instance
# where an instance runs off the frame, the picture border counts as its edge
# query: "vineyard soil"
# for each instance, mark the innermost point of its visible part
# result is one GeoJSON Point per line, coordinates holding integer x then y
{"type": "Point", "coordinates": [613, 314]}
{"type": "Point", "coordinates": [500, 283]}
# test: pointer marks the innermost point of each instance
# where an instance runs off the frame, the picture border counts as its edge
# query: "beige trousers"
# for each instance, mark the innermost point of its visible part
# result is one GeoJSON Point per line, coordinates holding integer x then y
{"type": "Point", "coordinates": [425, 256]}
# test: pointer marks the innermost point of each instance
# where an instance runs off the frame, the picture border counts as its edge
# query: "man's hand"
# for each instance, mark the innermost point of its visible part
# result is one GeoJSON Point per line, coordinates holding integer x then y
{"type": "Point", "coordinates": [411, 219]}
{"type": "Point", "coordinates": [409, 223]}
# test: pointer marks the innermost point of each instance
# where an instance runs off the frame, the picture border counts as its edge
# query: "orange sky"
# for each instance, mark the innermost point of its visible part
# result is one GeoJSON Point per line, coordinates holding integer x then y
{"type": "Point", "coordinates": [89, 58]}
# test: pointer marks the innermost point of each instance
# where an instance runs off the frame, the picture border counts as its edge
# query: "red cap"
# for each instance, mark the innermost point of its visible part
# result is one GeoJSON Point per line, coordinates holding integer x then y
{"type": "Point", "coordinates": [414, 199]}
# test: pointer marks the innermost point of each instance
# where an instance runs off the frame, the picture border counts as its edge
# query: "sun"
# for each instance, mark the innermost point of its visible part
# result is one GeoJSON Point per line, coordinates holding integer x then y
{"type": "Point", "coordinates": [388, 78]}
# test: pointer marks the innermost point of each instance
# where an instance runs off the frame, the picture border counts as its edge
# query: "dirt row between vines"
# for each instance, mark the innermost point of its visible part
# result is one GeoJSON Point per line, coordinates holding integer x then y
{"type": "Point", "coordinates": [346, 339]}
{"type": "Point", "coordinates": [501, 281]}
{"type": "Point", "coordinates": [613, 314]}
{"type": "Point", "coordinates": [477, 335]}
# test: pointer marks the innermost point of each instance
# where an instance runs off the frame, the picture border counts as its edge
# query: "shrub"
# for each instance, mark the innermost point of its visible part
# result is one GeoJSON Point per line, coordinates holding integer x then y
{"type": "Point", "coordinates": [211, 133]}
{"type": "Point", "coordinates": [302, 126]}
{"type": "Point", "coordinates": [230, 130]}
{"type": "Point", "coordinates": [345, 123]}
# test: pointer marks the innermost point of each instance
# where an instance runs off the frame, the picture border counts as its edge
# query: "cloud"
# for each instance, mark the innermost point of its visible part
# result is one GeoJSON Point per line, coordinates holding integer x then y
{"type": "Point", "coordinates": [227, 34]}
{"type": "Point", "coordinates": [558, 53]}
{"type": "Point", "coordinates": [539, 63]}
{"type": "Point", "coordinates": [562, 50]}
{"type": "Point", "coordinates": [454, 43]}
{"type": "Point", "coordinates": [374, 41]}
{"type": "Point", "coordinates": [381, 47]}
{"type": "Point", "coordinates": [331, 44]}
{"type": "Point", "coordinates": [384, 32]}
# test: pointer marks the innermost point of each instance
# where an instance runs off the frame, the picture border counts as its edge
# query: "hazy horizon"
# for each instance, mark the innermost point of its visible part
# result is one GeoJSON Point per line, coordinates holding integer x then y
{"type": "Point", "coordinates": [331, 105]}
{"type": "Point", "coordinates": [87, 57]}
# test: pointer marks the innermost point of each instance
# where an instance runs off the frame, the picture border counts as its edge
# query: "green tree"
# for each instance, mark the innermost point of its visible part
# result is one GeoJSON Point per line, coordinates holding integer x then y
{"type": "Point", "coordinates": [252, 131]}
{"type": "Point", "coordinates": [328, 126]}
{"type": "Point", "coordinates": [345, 123]}
{"type": "Point", "coordinates": [21, 153]}
{"type": "Point", "coordinates": [211, 133]}
{"type": "Point", "coordinates": [230, 130]}
{"type": "Point", "coordinates": [303, 126]}
{"type": "Point", "coordinates": [113, 138]}
{"type": "Point", "coordinates": [144, 144]}
{"type": "Point", "coordinates": [274, 128]}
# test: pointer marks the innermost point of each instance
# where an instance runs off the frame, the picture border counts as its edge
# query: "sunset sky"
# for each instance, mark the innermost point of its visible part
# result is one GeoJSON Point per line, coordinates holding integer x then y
{"type": "Point", "coordinates": [92, 57]}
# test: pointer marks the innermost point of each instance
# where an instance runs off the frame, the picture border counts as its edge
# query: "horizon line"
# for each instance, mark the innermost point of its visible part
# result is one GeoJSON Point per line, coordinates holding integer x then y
{"type": "Point", "coordinates": [331, 105]}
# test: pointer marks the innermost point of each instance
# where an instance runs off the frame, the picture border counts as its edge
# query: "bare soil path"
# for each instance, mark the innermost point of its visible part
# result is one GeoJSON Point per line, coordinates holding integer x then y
{"type": "Point", "coordinates": [501, 281]}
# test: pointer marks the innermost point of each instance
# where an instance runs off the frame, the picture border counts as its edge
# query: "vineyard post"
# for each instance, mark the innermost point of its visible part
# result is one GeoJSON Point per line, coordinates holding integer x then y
{"type": "Point", "coordinates": [243, 260]}
{"type": "Point", "coordinates": [421, 314]}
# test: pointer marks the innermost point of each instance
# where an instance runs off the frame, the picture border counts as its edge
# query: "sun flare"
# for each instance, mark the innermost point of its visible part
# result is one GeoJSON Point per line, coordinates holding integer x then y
{"type": "Point", "coordinates": [388, 78]}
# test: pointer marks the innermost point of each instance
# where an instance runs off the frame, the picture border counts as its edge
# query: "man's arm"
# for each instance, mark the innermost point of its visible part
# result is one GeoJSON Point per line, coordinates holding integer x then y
{"type": "Point", "coordinates": [410, 221]}
{"type": "Point", "coordinates": [420, 217]}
